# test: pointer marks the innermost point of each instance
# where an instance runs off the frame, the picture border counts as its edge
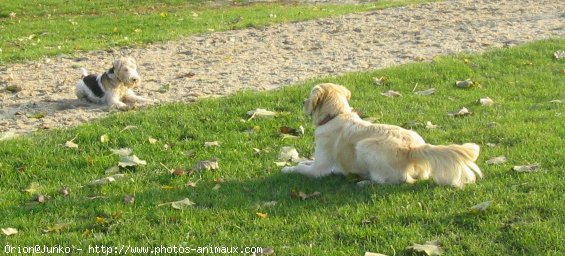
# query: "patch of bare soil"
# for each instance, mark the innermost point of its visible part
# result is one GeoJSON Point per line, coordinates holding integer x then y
{"type": "Point", "coordinates": [262, 59]}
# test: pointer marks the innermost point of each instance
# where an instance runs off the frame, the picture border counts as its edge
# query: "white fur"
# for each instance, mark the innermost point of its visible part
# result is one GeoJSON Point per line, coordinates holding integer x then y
{"type": "Point", "coordinates": [125, 77]}
{"type": "Point", "coordinates": [381, 153]}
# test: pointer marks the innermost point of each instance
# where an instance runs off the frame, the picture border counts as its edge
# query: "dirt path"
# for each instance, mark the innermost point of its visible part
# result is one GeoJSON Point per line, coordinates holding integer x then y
{"type": "Point", "coordinates": [262, 59]}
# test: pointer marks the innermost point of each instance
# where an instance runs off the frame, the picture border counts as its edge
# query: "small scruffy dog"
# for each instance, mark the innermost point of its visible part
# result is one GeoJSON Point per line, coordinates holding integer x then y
{"type": "Point", "coordinates": [113, 86]}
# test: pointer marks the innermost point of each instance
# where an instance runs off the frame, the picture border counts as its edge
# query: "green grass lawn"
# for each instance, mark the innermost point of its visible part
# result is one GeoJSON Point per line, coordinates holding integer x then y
{"type": "Point", "coordinates": [51, 27]}
{"type": "Point", "coordinates": [235, 204]}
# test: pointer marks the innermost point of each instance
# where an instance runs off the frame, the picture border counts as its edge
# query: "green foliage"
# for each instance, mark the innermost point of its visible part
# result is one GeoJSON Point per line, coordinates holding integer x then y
{"type": "Point", "coordinates": [525, 217]}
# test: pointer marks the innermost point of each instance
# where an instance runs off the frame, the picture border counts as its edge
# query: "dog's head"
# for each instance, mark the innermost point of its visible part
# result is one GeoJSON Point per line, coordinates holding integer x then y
{"type": "Point", "coordinates": [125, 69]}
{"type": "Point", "coordinates": [327, 101]}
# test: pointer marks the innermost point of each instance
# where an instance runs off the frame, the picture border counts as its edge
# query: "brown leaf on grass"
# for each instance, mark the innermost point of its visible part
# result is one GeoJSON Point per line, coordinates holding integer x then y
{"type": "Point", "coordinates": [216, 187]}
{"type": "Point", "coordinates": [41, 198]}
{"type": "Point", "coordinates": [260, 113]}
{"type": "Point", "coordinates": [179, 205]}
{"type": "Point", "coordinates": [285, 130]}
{"type": "Point", "coordinates": [303, 196]}
{"type": "Point", "coordinates": [104, 138]}
{"type": "Point", "coordinates": [262, 215]}
{"type": "Point", "coordinates": [380, 80]}
{"type": "Point", "coordinates": [32, 188]}
{"type": "Point", "coordinates": [9, 231]}
{"type": "Point", "coordinates": [373, 254]}
{"type": "Point", "coordinates": [430, 248]}
{"type": "Point", "coordinates": [71, 144]}
{"type": "Point", "coordinates": [64, 191]}
{"type": "Point", "coordinates": [497, 160]}
{"type": "Point", "coordinates": [466, 83]}
{"type": "Point", "coordinates": [122, 151]}
{"type": "Point", "coordinates": [559, 54]}
{"type": "Point", "coordinates": [129, 199]}
{"type": "Point", "coordinates": [486, 101]}
{"type": "Point", "coordinates": [526, 168]}
{"type": "Point", "coordinates": [57, 228]}
{"type": "Point", "coordinates": [191, 184]}
{"type": "Point", "coordinates": [207, 165]}
{"type": "Point", "coordinates": [426, 92]}
{"type": "Point", "coordinates": [128, 161]}
{"type": "Point", "coordinates": [212, 144]}
{"type": "Point", "coordinates": [391, 94]}
{"type": "Point", "coordinates": [152, 140]}
{"type": "Point", "coordinates": [107, 180]}
{"type": "Point", "coordinates": [480, 207]}
{"type": "Point", "coordinates": [179, 172]}
{"type": "Point", "coordinates": [129, 127]}
{"type": "Point", "coordinates": [461, 112]}
{"type": "Point", "coordinates": [430, 126]}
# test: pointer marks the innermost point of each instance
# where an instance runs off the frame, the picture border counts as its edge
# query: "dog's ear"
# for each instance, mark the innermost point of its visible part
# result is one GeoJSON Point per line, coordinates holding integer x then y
{"type": "Point", "coordinates": [132, 60]}
{"type": "Point", "coordinates": [315, 100]}
{"type": "Point", "coordinates": [345, 92]}
{"type": "Point", "coordinates": [116, 65]}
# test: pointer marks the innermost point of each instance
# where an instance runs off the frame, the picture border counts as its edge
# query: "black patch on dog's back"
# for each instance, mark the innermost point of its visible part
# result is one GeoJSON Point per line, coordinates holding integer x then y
{"type": "Point", "coordinates": [92, 84]}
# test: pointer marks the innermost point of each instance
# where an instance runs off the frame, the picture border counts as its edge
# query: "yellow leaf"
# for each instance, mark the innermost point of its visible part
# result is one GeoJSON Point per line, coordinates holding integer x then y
{"type": "Point", "coordinates": [167, 187]}
{"type": "Point", "coordinates": [100, 219]}
{"type": "Point", "coordinates": [262, 215]}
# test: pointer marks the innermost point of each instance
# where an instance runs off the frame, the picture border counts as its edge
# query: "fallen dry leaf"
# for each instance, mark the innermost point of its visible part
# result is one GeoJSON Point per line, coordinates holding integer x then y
{"type": "Point", "coordinates": [32, 188]}
{"type": "Point", "coordinates": [178, 172]}
{"type": "Point", "coordinates": [64, 191]}
{"type": "Point", "coordinates": [41, 198]}
{"type": "Point", "coordinates": [497, 160]}
{"type": "Point", "coordinates": [465, 83]}
{"type": "Point", "coordinates": [462, 112]}
{"type": "Point", "coordinates": [262, 215]}
{"type": "Point", "coordinates": [480, 207]}
{"type": "Point", "coordinates": [107, 180]}
{"type": "Point", "coordinates": [191, 184]}
{"type": "Point", "coordinates": [54, 228]}
{"type": "Point", "coordinates": [559, 54]}
{"type": "Point", "coordinates": [261, 113]}
{"type": "Point", "coordinates": [373, 254]}
{"type": "Point", "coordinates": [285, 130]}
{"type": "Point", "coordinates": [486, 101]}
{"type": "Point", "coordinates": [426, 92]}
{"type": "Point", "coordinates": [152, 140]}
{"type": "Point", "coordinates": [129, 199]}
{"type": "Point", "coordinates": [179, 205]}
{"type": "Point", "coordinates": [207, 165]}
{"type": "Point", "coordinates": [303, 196]}
{"type": "Point", "coordinates": [526, 168]}
{"type": "Point", "coordinates": [212, 144]}
{"type": "Point", "coordinates": [430, 126]}
{"type": "Point", "coordinates": [391, 93]}
{"type": "Point", "coordinates": [288, 154]}
{"type": "Point", "coordinates": [122, 151]}
{"type": "Point", "coordinates": [380, 80]}
{"type": "Point", "coordinates": [104, 138]}
{"type": "Point", "coordinates": [9, 231]}
{"type": "Point", "coordinates": [216, 187]}
{"type": "Point", "coordinates": [129, 127]}
{"type": "Point", "coordinates": [556, 101]}
{"type": "Point", "coordinates": [112, 170]}
{"type": "Point", "coordinates": [429, 248]}
{"type": "Point", "coordinates": [71, 144]}
{"type": "Point", "coordinates": [133, 160]}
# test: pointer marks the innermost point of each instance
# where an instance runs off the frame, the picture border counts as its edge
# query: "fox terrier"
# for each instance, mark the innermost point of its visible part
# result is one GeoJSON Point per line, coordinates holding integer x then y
{"type": "Point", "coordinates": [113, 86]}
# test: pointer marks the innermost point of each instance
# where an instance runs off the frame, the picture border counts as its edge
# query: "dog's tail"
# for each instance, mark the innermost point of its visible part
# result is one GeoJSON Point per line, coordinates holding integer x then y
{"type": "Point", "coordinates": [83, 72]}
{"type": "Point", "coordinates": [450, 165]}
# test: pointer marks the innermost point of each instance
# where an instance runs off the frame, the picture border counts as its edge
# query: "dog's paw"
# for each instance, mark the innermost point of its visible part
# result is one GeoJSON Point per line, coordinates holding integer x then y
{"type": "Point", "coordinates": [306, 162]}
{"type": "Point", "coordinates": [288, 169]}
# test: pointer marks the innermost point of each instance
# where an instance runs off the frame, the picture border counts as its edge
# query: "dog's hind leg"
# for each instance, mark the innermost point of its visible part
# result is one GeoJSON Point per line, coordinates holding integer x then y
{"type": "Point", "coordinates": [312, 168]}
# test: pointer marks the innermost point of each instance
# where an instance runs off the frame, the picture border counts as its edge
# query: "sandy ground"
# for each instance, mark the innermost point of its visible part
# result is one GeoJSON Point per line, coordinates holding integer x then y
{"type": "Point", "coordinates": [262, 59]}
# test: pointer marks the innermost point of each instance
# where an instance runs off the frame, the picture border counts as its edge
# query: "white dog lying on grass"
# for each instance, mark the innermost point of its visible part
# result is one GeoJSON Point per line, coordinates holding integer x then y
{"type": "Point", "coordinates": [380, 153]}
